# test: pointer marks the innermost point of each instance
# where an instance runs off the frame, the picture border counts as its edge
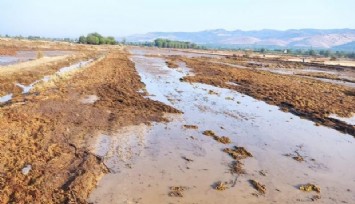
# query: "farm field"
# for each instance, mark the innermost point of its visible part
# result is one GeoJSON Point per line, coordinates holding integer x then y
{"type": "Point", "coordinates": [127, 124]}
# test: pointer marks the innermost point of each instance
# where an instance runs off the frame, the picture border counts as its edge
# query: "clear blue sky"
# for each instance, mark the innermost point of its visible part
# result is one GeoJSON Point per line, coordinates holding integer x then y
{"type": "Point", "coordinates": [70, 18]}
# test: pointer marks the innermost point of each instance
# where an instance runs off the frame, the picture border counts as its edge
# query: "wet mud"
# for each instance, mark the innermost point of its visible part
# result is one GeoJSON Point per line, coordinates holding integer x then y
{"type": "Point", "coordinates": [146, 161]}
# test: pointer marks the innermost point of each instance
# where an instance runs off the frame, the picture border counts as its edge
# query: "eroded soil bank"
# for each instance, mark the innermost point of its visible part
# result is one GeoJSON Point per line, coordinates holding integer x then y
{"type": "Point", "coordinates": [44, 158]}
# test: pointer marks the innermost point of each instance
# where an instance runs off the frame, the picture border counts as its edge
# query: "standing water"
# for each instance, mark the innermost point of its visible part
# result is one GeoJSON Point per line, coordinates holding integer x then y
{"type": "Point", "coordinates": [145, 161]}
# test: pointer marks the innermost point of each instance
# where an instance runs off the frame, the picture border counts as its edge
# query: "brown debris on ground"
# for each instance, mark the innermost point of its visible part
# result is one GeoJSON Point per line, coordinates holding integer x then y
{"type": "Point", "coordinates": [308, 98]}
{"type": "Point", "coordinates": [262, 173]}
{"type": "Point", "coordinates": [211, 92]}
{"type": "Point", "coordinates": [238, 152]}
{"type": "Point", "coordinates": [259, 187]}
{"type": "Point", "coordinates": [177, 191]}
{"type": "Point", "coordinates": [309, 187]}
{"type": "Point", "coordinates": [172, 62]}
{"type": "Point", "coordinates": [325, 76]}
{"type": "Point", "coordinates": [209, 133]}
{"type": "Point", "coordinates": [237, 167]}
{"type": "Point", "coordinates": [187, 159]}
{"type": "Point", "coordinates": [223, 139]}
{"type": "Point", "coordinates": [191, 126]}
{"type": "Point", "coordinates": [48, 131]}
{"type": "Point", "coordinates": [298, 158]}
{"type": "Point", "coordinates": [220, 186]}
{"type": "Point", "coordinates": [257, 62]}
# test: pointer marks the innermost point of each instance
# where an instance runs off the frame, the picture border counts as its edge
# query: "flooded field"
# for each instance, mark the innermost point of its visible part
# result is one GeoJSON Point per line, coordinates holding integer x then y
{"type": "Point", "coordinates": [139, 102]}
{"type": "Point", "coordinates": [175, 162]}
{"type": "Point", "coordinates": [144, 125]}
{"type": "Point", "coordinates": [23, 56]}
{"type": "Point", "coordinates": [27, 88]}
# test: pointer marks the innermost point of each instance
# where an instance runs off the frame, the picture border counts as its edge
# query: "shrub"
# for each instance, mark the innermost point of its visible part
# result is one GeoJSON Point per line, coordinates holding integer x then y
{"type": "Point", "coordinates": [96, 39]}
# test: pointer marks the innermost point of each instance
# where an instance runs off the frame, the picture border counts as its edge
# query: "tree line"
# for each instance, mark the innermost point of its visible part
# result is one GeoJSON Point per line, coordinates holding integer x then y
{"type": "Point", "coordinates": [311, 52]}
{"type": "Point", "coordinates": [96, 39]}
{"type": "Point", "coordinates": [165, 43]}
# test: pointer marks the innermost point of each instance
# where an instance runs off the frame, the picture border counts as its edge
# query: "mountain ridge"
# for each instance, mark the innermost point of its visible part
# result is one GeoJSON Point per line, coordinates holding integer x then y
{"type": "Point", "coordinates": [294, 38]}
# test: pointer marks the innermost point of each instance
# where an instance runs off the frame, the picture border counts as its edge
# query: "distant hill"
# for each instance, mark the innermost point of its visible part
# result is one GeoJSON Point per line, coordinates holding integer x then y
{"type": "Point", "coordinates": [346, 47]}
{"type": "Point", "coordinates": [303, 38]}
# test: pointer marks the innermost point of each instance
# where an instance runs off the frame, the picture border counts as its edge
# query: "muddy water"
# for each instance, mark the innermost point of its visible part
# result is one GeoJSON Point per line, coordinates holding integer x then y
{"type": "Point", "coordinates": [6, 60]}
{"type": "Point", "coordinates": [146, 160]}
{"type": "Point", "coordinates": [27, 88]}
{"type": "Point", "coordinates": [23, 56]}
{"type": "Point", "coordinates": [350, 121]}
{"type": "Point", "coordinates": [6, 98]}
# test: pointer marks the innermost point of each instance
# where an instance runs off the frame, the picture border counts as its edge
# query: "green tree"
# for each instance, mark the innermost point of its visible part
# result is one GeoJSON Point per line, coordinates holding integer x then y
{"type": "Point", "coordinates": [93, 40]}
{"type": "Point", "coordinates": [159, 42]}
{"type": "Point", "coordinates": [82, 40]}
{"type": "Point", "coordinates": [312, 52]}
{"type": "Point", "coordinates": [110, 40]}
{"type": "Point", "coordinates": [102, 41]}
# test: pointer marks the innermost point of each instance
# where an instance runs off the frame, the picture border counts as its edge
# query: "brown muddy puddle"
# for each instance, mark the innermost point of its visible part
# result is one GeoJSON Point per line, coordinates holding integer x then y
{"type": "Point", "coordinates": [147, 161]}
